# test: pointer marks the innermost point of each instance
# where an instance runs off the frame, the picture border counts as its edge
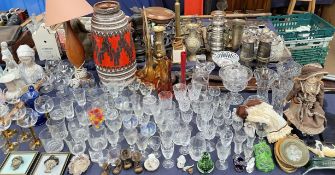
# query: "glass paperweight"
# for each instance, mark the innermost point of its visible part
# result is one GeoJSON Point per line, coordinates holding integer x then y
{"type": "Point", "coordinates": [205, 165]}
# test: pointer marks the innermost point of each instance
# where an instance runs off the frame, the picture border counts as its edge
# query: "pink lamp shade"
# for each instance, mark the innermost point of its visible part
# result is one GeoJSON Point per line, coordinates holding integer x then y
{"type": "Point", "coordinates": [58, 11]}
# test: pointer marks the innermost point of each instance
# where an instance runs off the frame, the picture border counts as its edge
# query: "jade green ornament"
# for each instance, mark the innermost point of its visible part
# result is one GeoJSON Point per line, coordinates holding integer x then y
{"type": "Point", "coordinates": [205, 165]}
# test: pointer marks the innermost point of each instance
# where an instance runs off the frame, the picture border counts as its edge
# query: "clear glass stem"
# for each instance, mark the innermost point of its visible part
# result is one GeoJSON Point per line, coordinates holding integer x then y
{"type": "Point", "coordinates": [237, 148]}
{"type": "Point", "coordinates": [263, 92]}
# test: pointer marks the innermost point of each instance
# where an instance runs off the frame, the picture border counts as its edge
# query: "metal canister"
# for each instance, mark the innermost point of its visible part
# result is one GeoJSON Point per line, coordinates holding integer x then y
{"type": "Point", "coordinates": [247, 51]}
{"type": "Point", "coordinates": [216, 39]}
{"type": "Point", "coordinates": [238, 26]}
{"type": "Point", "coordinates": [264, 51]}
{"type": "Point", "coordinates": [114, 51]}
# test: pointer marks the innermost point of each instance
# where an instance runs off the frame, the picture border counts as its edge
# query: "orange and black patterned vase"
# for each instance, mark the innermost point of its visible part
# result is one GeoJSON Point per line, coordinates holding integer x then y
{"type": "Point", "coordinates": [114, 51]}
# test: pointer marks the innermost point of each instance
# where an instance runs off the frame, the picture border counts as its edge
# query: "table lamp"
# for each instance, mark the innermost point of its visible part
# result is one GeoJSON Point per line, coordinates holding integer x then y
{"type": "Point", "coordinates": [62, 11]}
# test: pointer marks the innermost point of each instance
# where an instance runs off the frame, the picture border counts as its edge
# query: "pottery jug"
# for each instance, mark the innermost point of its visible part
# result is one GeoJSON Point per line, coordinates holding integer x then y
{"type": "Point", "coordinates": [114, 52]}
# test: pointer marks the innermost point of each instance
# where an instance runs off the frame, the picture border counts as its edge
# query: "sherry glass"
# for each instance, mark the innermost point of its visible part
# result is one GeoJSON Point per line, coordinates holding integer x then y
{"type": "Point", "coordinates": [223, 151]}
{"type": "Point", "coordinates": [142, 144]}
{"type": "Point", "coordinates": [149, 104]}
{"type": "Point", "coordinates": [114, 125]}
{"type": "Point", "coordinates": [149, 129]}
{"type": "Point", "coordinates": [264, 79]}
{"type": "Point", "coordinates": [44, 105]}
{"type": "Point", "coordinates": [215, 92]}
{"type": "Point", "coordinates": [114, 154]}
{"type": "Point", "coordinates": [239, 138]}
{"type": "Point", "coordinates": [97, 138]}
{"type": "Point", "coordinates": [235, 78]}
{"type": "Point", "coordinates": [57, 112]}
{"type": "Point", "coordinates": [166, 137]}
{"type": "Point", "coordinates": [75, 147]}
{"type": "Point", "coordinates": [247, 152]}
{"type": "Point", "coordinates": [19, 114]}
{"type": "Point", "coordinates": [205, 103]}
{"type": "Point", "coordinates": [82, 115]}
{"type": "Point", "coordinates": [155, 143]}
{"type": "Point", "coordinates": [112, 137]}
{"type": "Point", "coordinates": [194, 90]}
{"type": "Point", "coordinates": [145, 89]}
{"type": "Point", "coordinates": [167, 151]}
{"type": "Point", "coordinates": [47, 85]}
{"type": "Point", "coordinates": [180, 90]}
{"type": "Point", "coordinates": [50, 143]}
{"type": "Point", "coordinates": [144, 119]}
{"type": "Point", "coordinates": [261, 130]}
{"type": "Point", "coordinates": [187, 115]}
{"type": "Point", "coordinates": [237, 121]}
{"type": "Point", "coordinates": [57, 128]}
{"type": "Point", "coordinates": [197, 147]}
{"type": "Point", "coordinates": [209, 134]}
{"type": "Point", "coordinates": [250, 141]}
{"type": "Point", "coordinates": [184, 103]}
{"type": "Point", "coordinates": [186, 140]}
{"type": "Point", "coordinates": [94, 155]}
{"type": "Point", "coordinates": [66, 105]}
{"type": "Point", "coordinates": [130, 123]}
{"type": "Point", "coordinates": [79, 96]}
{"type": "Point", "coordinates": [165, 99]}
{"type": "Point", "coordinates": [131, 136]}
{"type": "Point", "coordinates": [28, 121]}
{"type": "Point", "coordinates": [226, 137]}
{"type": "Point", "coordinates": [78, 132]}
{"type": "Point", "coordinates": [5, 123]}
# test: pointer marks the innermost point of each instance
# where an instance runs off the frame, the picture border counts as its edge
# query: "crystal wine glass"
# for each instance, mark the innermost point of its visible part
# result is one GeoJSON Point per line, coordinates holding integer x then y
{"type": "Point", "coordinates": [167, 151]}
{"type": "Point", "coordinates": [155, 143]}
{"type": "Point", "coordinates": [44, 105]}
{"type": "Point", "coordinates": [97, 138]}
{"type": "Point", "coordinates": [223, 151]}
{"type": "Point", "coordinates": [50, 143]}
{"type": "Point", "coordinates": [28, 121]}
{"type": "Point", "coordinates": [131, 136]}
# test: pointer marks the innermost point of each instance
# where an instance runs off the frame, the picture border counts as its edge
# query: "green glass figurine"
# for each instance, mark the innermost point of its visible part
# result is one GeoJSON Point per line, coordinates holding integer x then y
{"type": "Point", "coordinates": [205, 164]}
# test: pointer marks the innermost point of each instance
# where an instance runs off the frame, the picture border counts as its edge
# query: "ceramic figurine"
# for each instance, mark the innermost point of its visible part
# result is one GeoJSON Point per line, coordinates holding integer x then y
{"type": "Point", "coordinates": [257, 111]}
{"type": "Point", "coordinates": [17, 161]}
{"type": "Point", "coordinates": [79, 164]}
{"type": "Point", "coordinates": [136, 157]}
{"type": "Point", "coordinates": [306, 108]}
{"type": "Point", "coordinates": [322, 150]}
{"type": "Point", "coordinates": [250, 165]}
{"type": "Point", "coordinates": [152, 163]}
{"type": "Point", "coordinates": [11, 76]}
{"type": "Point", "coordinates": [30, 71]}
{"type": "Point", "coordinates": [181, 160]}
{"type": "Point", "coordinates": [51, 163]}
{"type": "Point", "coordinates": [188, 169]}
{"type": "Point", "coordinates": [126, 158]}
{"type": "Point", "coordinates": [205, 165]}
{"type": "Point", "coordinates": [118, 167]}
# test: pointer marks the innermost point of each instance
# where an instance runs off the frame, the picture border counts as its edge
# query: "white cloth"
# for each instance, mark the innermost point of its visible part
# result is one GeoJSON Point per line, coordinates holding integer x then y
{"type": "Point", "coordinates": [276, 125]}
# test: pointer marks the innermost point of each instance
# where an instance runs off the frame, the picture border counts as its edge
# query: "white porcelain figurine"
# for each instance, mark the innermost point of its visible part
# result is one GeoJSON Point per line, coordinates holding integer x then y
{"type": "Point", "coordinates": [30, 71]}
{"type": "Point", "coordinates": [11, 76]}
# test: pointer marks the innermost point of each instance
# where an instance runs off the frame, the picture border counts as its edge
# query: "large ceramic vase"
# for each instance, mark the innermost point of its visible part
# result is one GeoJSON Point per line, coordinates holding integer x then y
{"type": "Point", "coordinates": [114, 52]}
